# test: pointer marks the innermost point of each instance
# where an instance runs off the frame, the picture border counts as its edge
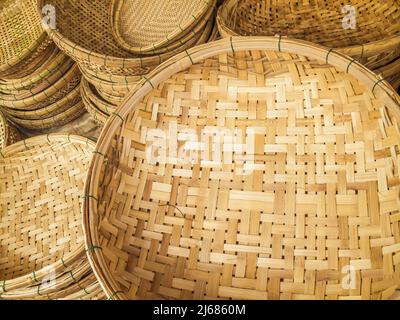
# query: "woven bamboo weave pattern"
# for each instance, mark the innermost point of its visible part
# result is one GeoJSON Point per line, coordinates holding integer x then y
{"type": "Point", "coordinates": [322, 193]}
{"type": "Point", "coordinates": [20, 30]}
{"type": "Point", "coordinates": [41, 188]}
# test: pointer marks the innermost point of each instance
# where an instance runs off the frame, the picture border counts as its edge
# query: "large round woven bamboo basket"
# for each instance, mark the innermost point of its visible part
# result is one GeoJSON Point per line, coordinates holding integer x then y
{"type": "Point", "coordinates": [64, 79]}
{"type": "Point", "coordinates": [41, 192]}
{"type": "Point", "coordinates": [142, 26]}
{"type": "Point", "coordinates": [299, 184]}
{"type": "Point", "coordinates": [20, 32]}
{"type": "Point", "coordinates": [374, 40]}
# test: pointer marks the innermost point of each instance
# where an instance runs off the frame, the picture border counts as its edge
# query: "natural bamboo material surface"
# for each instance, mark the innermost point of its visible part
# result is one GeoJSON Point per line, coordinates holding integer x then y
{"type": "Point", "coordinates": [302, 185]}
{"type": "Point", "coordinates": [41, 193]}
{"type": "Point", "coordinates": [20, 32]}
{"type": "Point", "coordinates": [374, 40]}
{"type": "Point", "coordinates": [145, 26]}
{"type": "Point", "coordinates": [8, 133]}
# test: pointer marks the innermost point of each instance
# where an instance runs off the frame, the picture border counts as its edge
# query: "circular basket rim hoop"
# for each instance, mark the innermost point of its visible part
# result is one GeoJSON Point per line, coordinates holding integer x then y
{"type": "Point", "coordinates": [374, 47]}
{"type": "Point", "coordinates": [71, 257]}
{"type": "Point", "coordinates": [116, 6]}
{"type": "Point", "coordinates": [26, 52]}
{"type": "Point", "coordinates": [379, 87]}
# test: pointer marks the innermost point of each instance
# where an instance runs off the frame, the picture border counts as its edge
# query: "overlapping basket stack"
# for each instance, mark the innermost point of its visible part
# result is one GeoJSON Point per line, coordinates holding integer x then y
{"type": "Point", "coordinates": [257, 167]}
{"type": "Point", "coordinates": [42, 253]}
{"type": "Point", "coordinates": [8, 133]}
{"type": "Point", "coordinates": [39, 84]}
{"type": "Point", "coordinates": [116, 43]}
{"type": "Point", "coordinates": [369, 32]}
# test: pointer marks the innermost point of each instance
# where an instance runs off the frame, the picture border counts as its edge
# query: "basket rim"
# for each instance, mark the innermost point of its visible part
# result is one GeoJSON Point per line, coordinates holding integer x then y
{"type": "Point", "coordinates": [70, 258]}
{"type": "Point", "coordinates": [358, 51]}
{"type": "Point", "coordinates": [55, 61]}
{"type": "Point", "coordinates": [97, 114]}
{"type": "Point", "coordinates": [106, 107]}
{"type": "Point", "coordinates": [4, 124]}
{"type": "Point", "coordinates": [180, 31]}
{"type": "Point", "coordinates": [378, 86]}
{"type": "Point", "coordinates": [57, 120]}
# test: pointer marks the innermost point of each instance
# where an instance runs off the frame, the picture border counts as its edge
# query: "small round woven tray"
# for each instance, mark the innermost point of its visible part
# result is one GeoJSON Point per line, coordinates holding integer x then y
{"type": "Point", "coordinates": [21, 32]}
{"type": "Point", "coordinates": [373, 41]}
{"type": "Point", "coordinates": [249, 168]}
{"type": "Point", "coordinates": [144, 26]}
{"type": "Point", "coordinates": [41, 192]}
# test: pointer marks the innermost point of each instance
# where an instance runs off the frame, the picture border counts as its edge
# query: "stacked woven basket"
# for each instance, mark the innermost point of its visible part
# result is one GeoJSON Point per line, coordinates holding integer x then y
{"type": "Point", "coordinates": [116, 43]}
{"type": "Point", "coordinates": [39, 84]}
{"type": "Point", "coordinates": [369, 32]}
{"type": "Point", "coordinates": [255, 167]}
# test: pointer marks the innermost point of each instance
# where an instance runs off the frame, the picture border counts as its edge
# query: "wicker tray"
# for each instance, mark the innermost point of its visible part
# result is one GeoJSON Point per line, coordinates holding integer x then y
{"type": "Point", "coordinates": [21, 32]}
{"type": "Point", "coordinates": [373, 42]}
{"type": "Point", "coordinates": [142, 26]}
{"type": "Point", "coordinates": [84, 32]}
{"type": "Point", "coordinates": [32, 63]}
{"type": "Point", "coordinates": [71, 113]}
{"type": "Point", "coordinates": [308, 188]}
{"type": "Point", "coordinates": [41, 192]}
